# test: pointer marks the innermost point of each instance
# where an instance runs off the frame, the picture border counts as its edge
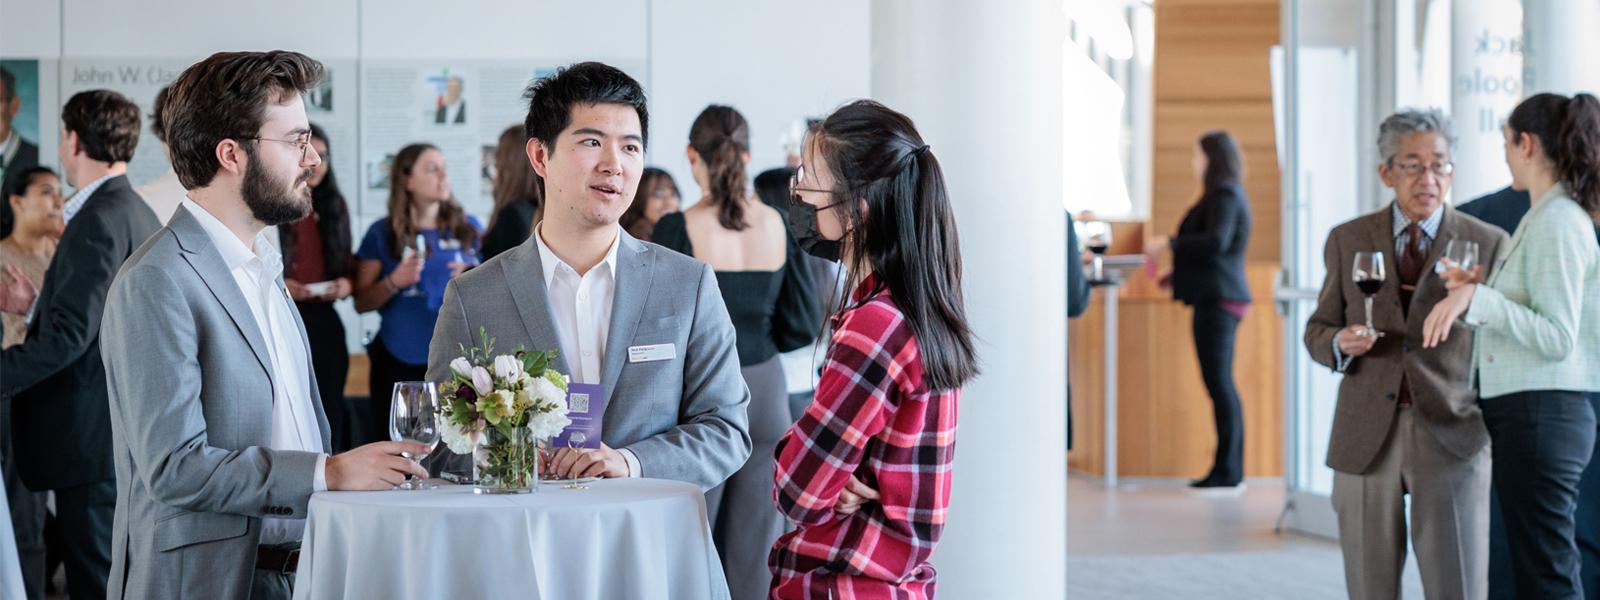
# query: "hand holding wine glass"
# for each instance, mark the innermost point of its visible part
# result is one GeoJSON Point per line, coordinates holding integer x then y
{"type": "Point", "coordinates": [1368, 273]}
{"type": "Point", "coordinates": [1459, 265]}
{"type": "Point", "coordinates": [414, 417]}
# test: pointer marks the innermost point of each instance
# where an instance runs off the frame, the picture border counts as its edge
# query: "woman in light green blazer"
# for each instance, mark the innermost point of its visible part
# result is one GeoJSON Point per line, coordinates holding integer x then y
{"type": "Point", "coordinates": [1537, 325]}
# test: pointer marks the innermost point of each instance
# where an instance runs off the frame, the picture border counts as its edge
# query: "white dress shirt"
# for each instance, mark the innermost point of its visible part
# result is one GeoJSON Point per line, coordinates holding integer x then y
{"type": "Point", "coordinates": [294, 419]}
{"type": "Point", "coordinates": [580, 308]}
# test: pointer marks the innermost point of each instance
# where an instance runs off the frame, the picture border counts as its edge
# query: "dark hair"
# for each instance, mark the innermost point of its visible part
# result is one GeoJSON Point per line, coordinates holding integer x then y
{"type": "Point", "coordinates": [551, 98]}
{"type": "Point", "coordinates": [772, 187]}
{"type": "Point", "coordinates": [633, 219]}
{"type": "Point", "coordinates": [225, 97]}
{"type": "Point", "coordinates": [107, 124]}
{"type": "Point", "coordinates": [514, 178]}
{"type": "Point", "coordinates": [24, 180]}
{"type": "Point", "coordinates": [158, 125]}
{"type": "Point", "coordinates": [453, 223]}
{"type": "Point", "coordinates": [721, 137]}
{"type": "Point", "coordinates": [1569, 131]}
{"type": "Point", "coordinates": [8, 85]}
{"type": "Point", "coordinates": [907, 234]}
{"type": "Point", "coordinates": [1224, 165]}
{"type": "Point", "coordinates": [333, 222]}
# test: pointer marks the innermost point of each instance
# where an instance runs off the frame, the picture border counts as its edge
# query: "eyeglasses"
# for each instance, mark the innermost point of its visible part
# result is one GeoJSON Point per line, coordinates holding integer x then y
{"type": "Point", "coordinates": [795, 189]}
{"type": "Point", "coordinates": [1439, 169]}
{"type": "Point", "coordinates": [301, 143]}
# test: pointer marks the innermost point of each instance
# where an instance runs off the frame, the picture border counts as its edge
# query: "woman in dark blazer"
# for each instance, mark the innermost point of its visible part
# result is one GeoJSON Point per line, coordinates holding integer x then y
{"type": "Point", "coordinates": [1208, 274]}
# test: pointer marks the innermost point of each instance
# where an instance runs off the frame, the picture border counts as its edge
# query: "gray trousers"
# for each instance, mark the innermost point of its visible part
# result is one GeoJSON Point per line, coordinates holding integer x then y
{"type": "Point", "coordinates": [1449, 518]}
{"type": "Point", "coordinates": [744, 522]}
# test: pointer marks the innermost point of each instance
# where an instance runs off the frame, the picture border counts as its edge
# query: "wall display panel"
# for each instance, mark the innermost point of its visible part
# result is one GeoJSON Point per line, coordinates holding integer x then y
{"type": "Point", "coordinates": [330, 104]}
{"type": "Point", "coordinates": [459, 106]}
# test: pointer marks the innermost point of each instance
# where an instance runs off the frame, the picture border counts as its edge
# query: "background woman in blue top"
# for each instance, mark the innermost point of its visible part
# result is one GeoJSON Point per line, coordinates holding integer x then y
{"type": "Point", "coordinates": [404, 282]}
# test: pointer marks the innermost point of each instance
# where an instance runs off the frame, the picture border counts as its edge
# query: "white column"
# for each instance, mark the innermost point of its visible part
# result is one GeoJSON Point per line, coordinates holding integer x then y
{"type": "Point", "coordinates": [983, 81]}
{"type": "Point", "coordinates": [1563, 43]}
{"type": "Point", "coordinates": [1486, 83]}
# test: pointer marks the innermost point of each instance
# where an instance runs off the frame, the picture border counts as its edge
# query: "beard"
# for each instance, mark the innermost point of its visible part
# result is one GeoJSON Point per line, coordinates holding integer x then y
{"type": "Point", "coordinates": [274, 202]}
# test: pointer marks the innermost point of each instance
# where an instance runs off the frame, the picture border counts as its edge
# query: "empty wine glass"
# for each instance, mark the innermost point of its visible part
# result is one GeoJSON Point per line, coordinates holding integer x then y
{"type": "Point", "coordinates": [414, 417]}
{"type": "Point", "coordinates": [419, 249]}
{"type": "Point", "coordinates": [1368, 274]}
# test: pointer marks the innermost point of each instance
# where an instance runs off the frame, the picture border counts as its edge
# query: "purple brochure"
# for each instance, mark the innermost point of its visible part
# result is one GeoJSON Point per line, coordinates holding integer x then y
{"type": "Point", "coordinates": [586, 404]}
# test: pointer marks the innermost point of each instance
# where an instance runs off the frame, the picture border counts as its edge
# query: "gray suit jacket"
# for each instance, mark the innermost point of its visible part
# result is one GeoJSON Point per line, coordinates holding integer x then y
{"type": "Point", "coordinates": [191, 418]}
{"type": "Point", "coordinates": [1441, 391]}
{"type": "Point", "coordinates": [684, 418]}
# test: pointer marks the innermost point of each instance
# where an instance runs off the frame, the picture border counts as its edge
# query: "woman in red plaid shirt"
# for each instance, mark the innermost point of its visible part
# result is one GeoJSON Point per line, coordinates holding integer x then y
{"type": "Point", "coordinates": [865, 473]}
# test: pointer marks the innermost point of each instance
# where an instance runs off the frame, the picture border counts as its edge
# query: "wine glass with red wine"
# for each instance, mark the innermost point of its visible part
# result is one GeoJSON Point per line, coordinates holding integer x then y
{"type": "Point", "coordinates": [1368, 273]}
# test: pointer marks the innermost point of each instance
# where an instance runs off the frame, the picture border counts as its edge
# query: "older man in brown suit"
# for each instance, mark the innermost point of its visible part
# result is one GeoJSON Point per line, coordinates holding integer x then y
{"type": "Point", "coordinates": [1407, 420]}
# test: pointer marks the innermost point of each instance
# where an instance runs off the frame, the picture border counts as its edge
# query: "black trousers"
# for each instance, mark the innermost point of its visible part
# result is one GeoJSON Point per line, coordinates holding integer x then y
{"type": "Point", "coordinates": [1542, 442]}
{"type": "Point", "coordinates": [331, 361]}
{"type": "Point", "coordinates": [84, 514]}
{"type": "Point", "coordinates": [386, 370]}
{"type": "Point", "coordinates": [1502, 579]}
{"type": "Point", "coordinates": [1215, 330]}
{"type": "Point", "coordinates": [28, 514]}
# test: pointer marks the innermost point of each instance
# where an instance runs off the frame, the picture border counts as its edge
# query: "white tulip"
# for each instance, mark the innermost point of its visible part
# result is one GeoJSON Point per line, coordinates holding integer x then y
{"type": "Point", "coordinates": [461, 367]}
{"type": "Point", "coordinates": [507, 368]}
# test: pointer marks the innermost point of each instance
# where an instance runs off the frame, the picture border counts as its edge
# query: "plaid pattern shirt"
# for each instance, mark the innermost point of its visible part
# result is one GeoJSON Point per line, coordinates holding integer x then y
{"type": "Point", "coordinates": [872, 418]}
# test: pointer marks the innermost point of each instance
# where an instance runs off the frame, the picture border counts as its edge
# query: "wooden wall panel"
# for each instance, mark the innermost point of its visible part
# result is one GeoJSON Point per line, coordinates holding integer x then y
{"type": "Point", "coordinates": [1212, 71]}
{"type": "Point", "coordinates": [1164, 419]}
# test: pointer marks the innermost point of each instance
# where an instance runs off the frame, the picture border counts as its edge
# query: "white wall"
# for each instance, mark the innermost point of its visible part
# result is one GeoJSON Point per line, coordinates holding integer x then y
{"type": "Point", "coordinates": [748, 54]}
{"type": "Point", "coordinates": [776, 62]}
{"type": "Point", "coordinates": [984, 83]}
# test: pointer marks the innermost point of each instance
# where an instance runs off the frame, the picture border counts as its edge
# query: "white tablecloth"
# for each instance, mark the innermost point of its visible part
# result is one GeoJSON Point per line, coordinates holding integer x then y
{"type": "Point", "coordinates": [624, 538]}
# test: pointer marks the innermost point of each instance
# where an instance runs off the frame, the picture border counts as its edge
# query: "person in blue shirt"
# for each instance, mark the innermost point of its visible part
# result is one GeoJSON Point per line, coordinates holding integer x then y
{"type": "Point", "coordinates": [403, 264]}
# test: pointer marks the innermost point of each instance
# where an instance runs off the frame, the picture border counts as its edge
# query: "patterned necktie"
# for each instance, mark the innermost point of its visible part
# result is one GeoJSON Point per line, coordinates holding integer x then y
{"type": "Point", "coordinates": [1410, 264]}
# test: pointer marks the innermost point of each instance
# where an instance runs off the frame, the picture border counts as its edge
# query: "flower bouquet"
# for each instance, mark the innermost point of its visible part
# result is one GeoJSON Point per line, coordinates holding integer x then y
{"type": "Point", "coordinates": [498, 408]}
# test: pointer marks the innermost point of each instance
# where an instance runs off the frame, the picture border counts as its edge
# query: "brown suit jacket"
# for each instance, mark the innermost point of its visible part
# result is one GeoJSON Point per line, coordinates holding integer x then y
{"type": "Point", "coordinates": [1439, 378]}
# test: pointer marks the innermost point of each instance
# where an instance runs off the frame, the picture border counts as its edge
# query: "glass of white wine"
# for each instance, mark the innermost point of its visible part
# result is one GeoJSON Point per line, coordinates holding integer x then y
{"type": "Point", "coordinates": [1458, 265]}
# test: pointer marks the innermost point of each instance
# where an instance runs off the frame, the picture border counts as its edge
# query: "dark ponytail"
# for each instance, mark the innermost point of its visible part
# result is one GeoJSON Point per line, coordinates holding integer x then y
{"type": "Point", "coordinates": [721, 136]}
{"type": "Point", "coordinates": [1579, 160]}
{"type": "Point", "coordinates": [1569, 131]}
{"type": "Point", "coordinates": [907, 234]}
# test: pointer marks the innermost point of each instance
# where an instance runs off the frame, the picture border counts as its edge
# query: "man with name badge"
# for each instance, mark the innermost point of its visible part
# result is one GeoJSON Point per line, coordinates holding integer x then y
{"type": "Point", "coordinates": [642, 332]}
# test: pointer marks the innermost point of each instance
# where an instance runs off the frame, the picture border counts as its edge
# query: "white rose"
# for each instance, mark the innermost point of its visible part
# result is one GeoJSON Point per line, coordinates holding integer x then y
{"type": "Point", "coordinates": [507, 368]}
{"type": "Point", "coordinates": [461, 367]}
{"type": "Point", "coordinates": [546, 392]}
{"type": "Point", "coordinates": [547, 425]}
{"type": "Point", "coordinates": [459, 442]}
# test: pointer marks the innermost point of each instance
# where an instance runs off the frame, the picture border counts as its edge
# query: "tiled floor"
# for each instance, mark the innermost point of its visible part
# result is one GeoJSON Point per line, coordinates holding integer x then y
{"type": "Point", "coordinates": [1152, 539]}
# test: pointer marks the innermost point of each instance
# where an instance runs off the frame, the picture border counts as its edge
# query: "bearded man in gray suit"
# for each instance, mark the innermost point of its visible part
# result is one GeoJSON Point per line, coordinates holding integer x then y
{"type": "Point", "coordinates": [646, 324]}
{"type": "Point", "coordinates": [218, 436]}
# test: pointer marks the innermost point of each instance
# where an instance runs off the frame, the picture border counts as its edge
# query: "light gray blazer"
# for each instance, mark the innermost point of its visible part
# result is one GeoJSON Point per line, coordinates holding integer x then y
{"type": "Point", "coordinates": [191, 418]}
{"type": "Point", "coordinates": [684, 418]}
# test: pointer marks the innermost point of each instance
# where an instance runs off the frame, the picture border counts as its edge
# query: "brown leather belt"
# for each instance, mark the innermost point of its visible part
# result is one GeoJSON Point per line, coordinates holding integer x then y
{"type": "Point", "coordinates": [275, 559]}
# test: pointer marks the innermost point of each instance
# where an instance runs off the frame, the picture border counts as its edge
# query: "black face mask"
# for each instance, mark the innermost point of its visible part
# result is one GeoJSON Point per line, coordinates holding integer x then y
{"type": "Point", "coordinates": [803, 226]}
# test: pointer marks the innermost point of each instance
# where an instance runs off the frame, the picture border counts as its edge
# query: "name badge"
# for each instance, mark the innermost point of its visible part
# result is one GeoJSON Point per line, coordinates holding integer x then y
{"type": "Point", "coordinates": [639, 354]}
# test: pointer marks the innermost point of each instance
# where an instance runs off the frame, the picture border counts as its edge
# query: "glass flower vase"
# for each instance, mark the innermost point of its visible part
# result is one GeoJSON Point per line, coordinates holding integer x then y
{"type": "Point", "coordinates": [504, 464]}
